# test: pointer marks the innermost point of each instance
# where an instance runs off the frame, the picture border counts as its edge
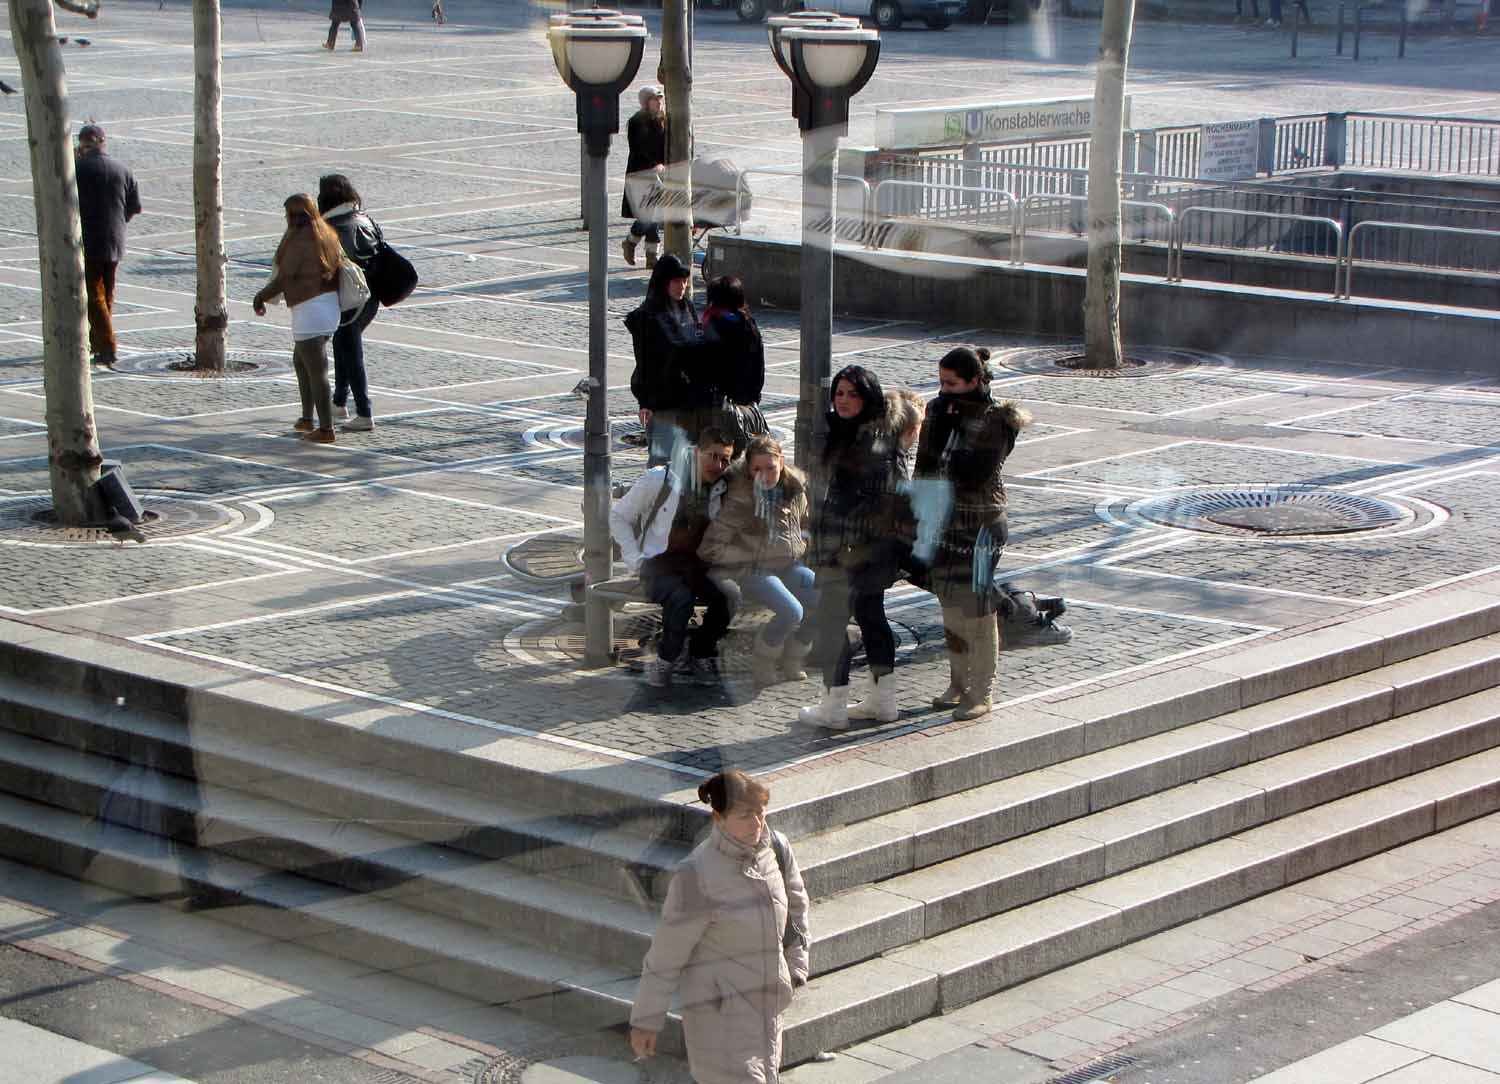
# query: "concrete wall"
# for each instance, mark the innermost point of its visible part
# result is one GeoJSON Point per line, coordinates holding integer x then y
{"type": "Point", "coordinates": [1193, 315]}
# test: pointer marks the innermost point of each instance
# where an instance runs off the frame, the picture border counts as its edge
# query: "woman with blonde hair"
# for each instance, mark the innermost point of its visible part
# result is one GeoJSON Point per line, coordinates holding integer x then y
{"type": "Point", "coordinates": [965, 440]}
{"type": "Point", "coordinates": [757, 542]}
{"type": "Point", "coordinates": [306, 273]}
{"type": "Point", "coordinates": [732, 942]}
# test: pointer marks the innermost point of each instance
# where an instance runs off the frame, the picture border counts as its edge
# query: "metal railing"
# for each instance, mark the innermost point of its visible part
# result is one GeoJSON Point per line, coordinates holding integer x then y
{"type": "Point", "coordinates": [740, 191]}
{"type": "Point", "coordinates": [1018, 248]}
{"type": "Point", "coordinates": [996, 199]}
{"type": "Point", "coordinates": [1182, 220]}
{"type": "Point", "coordinates": [1455, 145]}
{"type": "Point", "coordinates": [1348, 290]}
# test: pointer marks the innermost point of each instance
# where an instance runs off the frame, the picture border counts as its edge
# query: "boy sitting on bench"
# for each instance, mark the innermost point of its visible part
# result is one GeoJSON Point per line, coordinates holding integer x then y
{"type": "Point", "coordinates": [658, 526]}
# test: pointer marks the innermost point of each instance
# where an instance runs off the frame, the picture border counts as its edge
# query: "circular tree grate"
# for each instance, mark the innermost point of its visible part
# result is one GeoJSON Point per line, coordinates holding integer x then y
{"type": "Point", "coordinates": [1292, 510]}
{"type": "Point", "coordinates": [1069, 361]}
{"type": "Point", "coordinates": [237, 363]}
{"type": "Point", "coordinates": [29, 521]}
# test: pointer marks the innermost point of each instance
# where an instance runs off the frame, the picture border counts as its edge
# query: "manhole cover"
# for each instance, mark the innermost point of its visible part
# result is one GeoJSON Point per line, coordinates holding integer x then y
{"type": "Point", "coordinates": [1069, 361]}
{"type": "Point", "coordinates": [602, 1057]}
{"type": "Point", "coordinates": [237, 363]}
{"type": "Point", "coordinates": [1271, 510]}
{"type": "Point", "coordinates": [28, 521]}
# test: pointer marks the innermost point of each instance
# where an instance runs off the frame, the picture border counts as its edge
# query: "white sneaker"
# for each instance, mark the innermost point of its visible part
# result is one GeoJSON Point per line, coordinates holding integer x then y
{"type": "Point", "coordinates": [360, 424]}
{"type": "Point", "coordinates": [341, 412]}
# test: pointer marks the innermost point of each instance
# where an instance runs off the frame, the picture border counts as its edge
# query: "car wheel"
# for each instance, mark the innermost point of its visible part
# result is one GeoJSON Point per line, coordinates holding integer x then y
{"type": "Point", "coordinates": [939, 22]}
{"type": "Point", "coordinates": [887, 14]}
{"type": "Point", "coordinates": [751, 11]}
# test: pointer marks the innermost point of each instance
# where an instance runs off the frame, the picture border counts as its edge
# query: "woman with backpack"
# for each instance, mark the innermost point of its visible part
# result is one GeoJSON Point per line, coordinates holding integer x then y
{"type": "Point", "coordinates": [965, 439]}
{"type": "Point", "coordinates": [360, 237]}
{"type": "Point", "coordinates": [732, 943]}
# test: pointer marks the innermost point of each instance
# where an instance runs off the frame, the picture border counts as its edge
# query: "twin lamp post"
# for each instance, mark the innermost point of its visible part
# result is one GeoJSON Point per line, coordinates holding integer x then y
{"type": "Point", "coordinates": [598, 51]}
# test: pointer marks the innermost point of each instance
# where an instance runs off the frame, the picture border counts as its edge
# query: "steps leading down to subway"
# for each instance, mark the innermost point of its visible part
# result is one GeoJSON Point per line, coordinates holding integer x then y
{"type": "Point", "coordinates": [1012, 857]}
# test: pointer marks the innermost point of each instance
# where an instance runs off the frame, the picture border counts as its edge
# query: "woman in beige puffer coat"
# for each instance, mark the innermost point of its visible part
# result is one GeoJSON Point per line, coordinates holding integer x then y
{"type": "Point", "coordinates": [732, 943]}
{"type": "Point", "coordinates": [757, 542]}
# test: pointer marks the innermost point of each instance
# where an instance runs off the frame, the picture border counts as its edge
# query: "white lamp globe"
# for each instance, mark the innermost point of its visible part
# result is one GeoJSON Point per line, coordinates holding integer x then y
{"type": "Point", "coordinates": [832, 55]}
{"type": "Point", "coordinates": [594, 51]}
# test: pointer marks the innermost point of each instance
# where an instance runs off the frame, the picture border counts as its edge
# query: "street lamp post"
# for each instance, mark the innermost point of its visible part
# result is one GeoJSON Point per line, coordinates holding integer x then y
{"type": "Point", "coordinates": [597, 54]}
{"type": "Point", "coordinates": [828, 62]}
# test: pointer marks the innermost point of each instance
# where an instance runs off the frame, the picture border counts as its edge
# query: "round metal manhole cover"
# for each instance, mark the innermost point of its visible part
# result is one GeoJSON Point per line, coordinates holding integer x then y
{"type": "Point", "coordinates": [180, 363]}
{"type": "Point", "coordinates": [28, 521]}
{"type": "Point", "coordinates": [1069, 361]}
{"type": "Point", "coordinates": [1278, 511]}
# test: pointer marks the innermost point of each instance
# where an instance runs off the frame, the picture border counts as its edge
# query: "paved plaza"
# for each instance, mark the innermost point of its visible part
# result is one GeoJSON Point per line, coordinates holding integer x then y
{"type": "Point", "coordinates": [370, 569]}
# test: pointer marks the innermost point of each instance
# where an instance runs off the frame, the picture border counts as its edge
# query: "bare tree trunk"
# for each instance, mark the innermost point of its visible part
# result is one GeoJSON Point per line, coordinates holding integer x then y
{"type": "Point", "coordinates": [72, 442]}
{"type": "Point", "coordinates": [1101, 306]}
{"type": "Point", "coordinates": [676, 75]}
{"type": "Point", "coordinates": [211, 309]}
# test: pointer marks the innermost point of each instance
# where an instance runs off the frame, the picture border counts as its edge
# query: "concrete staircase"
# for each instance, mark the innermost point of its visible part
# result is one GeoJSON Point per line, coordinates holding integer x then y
{"type": "Point", "coordinates": [974, 860]}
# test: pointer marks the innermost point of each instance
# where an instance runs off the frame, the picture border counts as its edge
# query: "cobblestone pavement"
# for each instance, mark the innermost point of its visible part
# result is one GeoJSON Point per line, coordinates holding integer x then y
{"type": "Point", "coordinates": [371, 566]}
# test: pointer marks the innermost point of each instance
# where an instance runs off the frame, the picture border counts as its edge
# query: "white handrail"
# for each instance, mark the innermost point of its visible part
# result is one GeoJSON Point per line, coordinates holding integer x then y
{"type": "Point", "coordinates": [1000, 195]}
{"type": "Point", "coordinates": [1413, 227]}
{"type": "Point", "coordinates": [1041, 196]}
{"type": "Point", "coordinates": [1189, 211]}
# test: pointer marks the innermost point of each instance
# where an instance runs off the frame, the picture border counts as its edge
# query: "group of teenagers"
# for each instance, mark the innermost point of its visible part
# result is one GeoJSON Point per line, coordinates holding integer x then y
{"type": "Point", "coordinates": [900, 490]}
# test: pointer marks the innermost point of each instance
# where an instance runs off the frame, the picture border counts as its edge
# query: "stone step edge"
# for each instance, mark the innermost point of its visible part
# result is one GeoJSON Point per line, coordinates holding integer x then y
{"type": "Point", "coordinates": [896, 990]}
{"type": "Point", "coordinates": [895, 843]}
{"type": "Point", "coordinates": [362, 863]}
{"type": "Point", "coordinates": [658, 802]}
{"type": "Point", "coordinates": [441, 951]}
{"type": "Point", "coordinates": [418, 810]}
{"type": "Point", "coordinates": [894, 775]}
{"type": "Point", "coordinates": [1076, 853]}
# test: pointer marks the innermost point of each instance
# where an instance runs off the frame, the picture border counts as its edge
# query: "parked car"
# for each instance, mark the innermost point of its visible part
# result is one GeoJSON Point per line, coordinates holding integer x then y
{"type": "Point", "coordinates": [886, 14]}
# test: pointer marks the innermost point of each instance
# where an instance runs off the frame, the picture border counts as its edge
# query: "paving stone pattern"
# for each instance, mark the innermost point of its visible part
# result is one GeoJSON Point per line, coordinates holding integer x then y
{"type": "Point", "coordinates": [1048, 521]}
{"type": "Point", "coordinates": [41, 577]}
{"type": "Point", "coordinates": [168, 469]}
{"type": "Point", "coordinates": [181, 397]}
{"type": "Point", "coordinates": [1352, 567]}
{"type": "Point", "coordinates": [394, 520]}
{"type": "Point", "coordinates": [1472, 421]}
{"type": "Point", "coordinates": [1149, 395]}
{"type": "Point", "coordinates": [9, 428]}
{"type": "Point", "coordinates": [1197, 463]}
{"type": "Point", "coordinates": [443, 436]}
{"type": "Point", "coordinates": [450, 655]}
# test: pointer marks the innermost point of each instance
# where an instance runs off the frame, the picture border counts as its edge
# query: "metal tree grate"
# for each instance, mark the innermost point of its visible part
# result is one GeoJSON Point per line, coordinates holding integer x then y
{"type": "Point", "coordinates": [28, 520]}
{"type": "Point", "coordinates": [179, 363]}
{"type": "Point", "coordinates": [1066, 361]}
{"type": "Point", "coordinates": [1278, 510]}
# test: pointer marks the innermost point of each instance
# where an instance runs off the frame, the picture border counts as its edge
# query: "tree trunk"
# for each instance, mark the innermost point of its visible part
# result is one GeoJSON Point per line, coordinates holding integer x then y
{"type": "Point", "coordinates": [1101, 306]}
{"type": "Point", "coordinates": [676, 75]}
{"type": "Point", "coordinates": [211, 309]}
{"type": "Point", "coordinates": [72, 442]}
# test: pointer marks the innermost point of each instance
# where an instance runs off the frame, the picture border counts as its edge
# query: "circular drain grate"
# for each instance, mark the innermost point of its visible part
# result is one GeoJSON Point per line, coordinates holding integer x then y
{"type": "Point", "coordinates": [1271, 510]}
{"type": "Point", "coordinates": [28, 521]}
{"type": "Point", "coordinates": [1067, 361]}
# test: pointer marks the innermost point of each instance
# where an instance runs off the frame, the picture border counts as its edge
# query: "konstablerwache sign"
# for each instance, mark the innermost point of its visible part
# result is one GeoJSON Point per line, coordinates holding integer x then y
{"type": "Point", "coordinates": [985, 122]}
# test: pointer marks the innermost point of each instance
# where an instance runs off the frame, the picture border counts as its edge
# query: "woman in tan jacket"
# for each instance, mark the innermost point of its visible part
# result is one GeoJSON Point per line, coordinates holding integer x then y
{"type": "Point", "coordinates": [306, 272]}
{"type": "Point", "coordinates": [732, 942]}
{"type": "Point", "coordinates": [757, 541]}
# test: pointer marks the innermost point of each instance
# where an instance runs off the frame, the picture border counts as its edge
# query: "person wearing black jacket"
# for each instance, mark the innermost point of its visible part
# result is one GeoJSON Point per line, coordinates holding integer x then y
{"type": "Point", "coordinates": [646, 134]}
{"type": "Point", "coordinates": [670, 353]}
{"type": "Point", "coordinates": [107, 199]}
{"type": "Point", "coordinates": [966, 437]}
{"type": "Point", "coordinates": [360, 237]}
{"type": "Point", "coordinates": [733, 371]}
{"type": "Point", "coordinates": [858, 545]}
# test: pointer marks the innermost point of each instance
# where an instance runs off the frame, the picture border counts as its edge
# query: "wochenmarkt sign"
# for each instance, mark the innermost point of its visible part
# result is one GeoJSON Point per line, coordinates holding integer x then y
{"type": "Point", "coordinates": [991, 122]}
{"type": "Point", "coordinates": [1230, 151]}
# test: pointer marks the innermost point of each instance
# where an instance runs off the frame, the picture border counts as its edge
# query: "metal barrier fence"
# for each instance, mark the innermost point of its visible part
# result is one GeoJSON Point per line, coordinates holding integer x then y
{"type": "Point", "coordinates": [1338, 232]}
{"type": "Point", "coordinates": [1018, 246]}
{"type": "Point", "coordinates": [1430, 231]}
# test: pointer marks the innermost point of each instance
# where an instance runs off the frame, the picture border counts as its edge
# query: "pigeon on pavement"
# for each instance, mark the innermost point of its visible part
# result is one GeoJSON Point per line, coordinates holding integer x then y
{"type": "Point", "coordinates": [6, 88]}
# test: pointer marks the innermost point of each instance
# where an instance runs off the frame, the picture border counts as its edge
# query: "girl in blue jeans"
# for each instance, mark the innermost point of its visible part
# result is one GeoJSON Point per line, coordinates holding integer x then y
{"type": "Point", "coordinates": [757, 542]}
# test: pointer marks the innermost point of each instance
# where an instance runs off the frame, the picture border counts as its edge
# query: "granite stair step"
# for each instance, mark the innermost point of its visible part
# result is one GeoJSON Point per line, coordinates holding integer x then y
{"type": "Point", "coordinates": [365, 862]}
{"type": "Point", "coordinates": [601, 856]}
{"type": "Point", "coordinates": [1068, 787]}
{"type": "Point", "coordinates": [941, 973]}
{"type": "Point", "coordinates": [435, 949]}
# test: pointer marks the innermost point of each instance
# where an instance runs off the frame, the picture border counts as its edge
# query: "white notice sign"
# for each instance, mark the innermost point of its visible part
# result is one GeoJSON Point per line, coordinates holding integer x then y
{"type": "Point", "coordinates": [1229, 151]}
{"type": "Point", "coordinates": [985, 122]}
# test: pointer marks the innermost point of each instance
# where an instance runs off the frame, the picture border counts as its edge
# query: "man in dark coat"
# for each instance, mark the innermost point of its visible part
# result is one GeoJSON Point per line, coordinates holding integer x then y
{"type": "Point", "coordinates": [107, 199]}
{"type": "Point", "coordinates": [646, 133]}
